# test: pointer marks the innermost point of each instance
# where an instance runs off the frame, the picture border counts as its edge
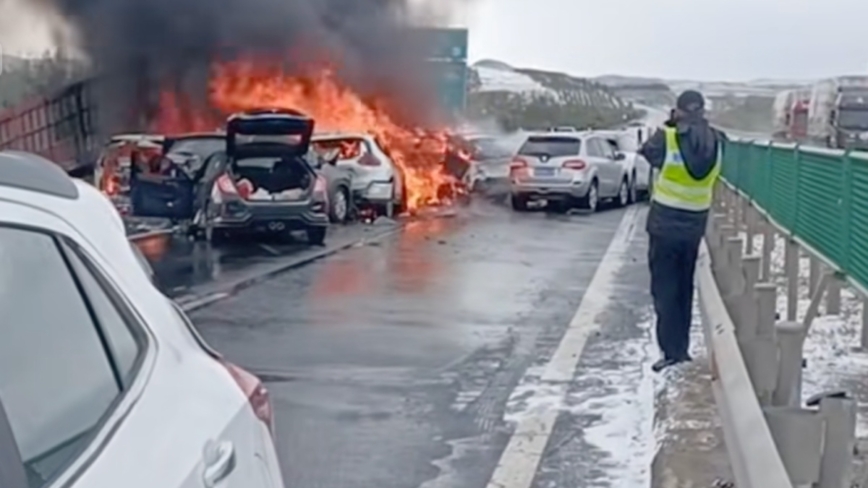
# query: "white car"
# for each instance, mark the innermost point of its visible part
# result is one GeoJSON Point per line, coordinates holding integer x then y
{"type": "Point", "coordinates": [628, 142]}
{"type": "Point", "coordinates": [103, 380]}
{"type": "Point", "coordinates": [377, 182]}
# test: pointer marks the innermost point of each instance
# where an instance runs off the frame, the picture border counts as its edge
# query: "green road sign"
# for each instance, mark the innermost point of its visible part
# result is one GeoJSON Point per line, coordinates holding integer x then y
{"type": "Point", "coordinates": [451, 82]}
{"type": "Point", "coordinates": [445, 43]}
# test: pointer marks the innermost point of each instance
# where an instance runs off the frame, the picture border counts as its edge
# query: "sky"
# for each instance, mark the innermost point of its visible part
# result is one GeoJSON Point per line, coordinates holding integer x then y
{"type": "Point", "coordinates": [681, 39]}
{"type": "Point", "coordinates": [675, 39]}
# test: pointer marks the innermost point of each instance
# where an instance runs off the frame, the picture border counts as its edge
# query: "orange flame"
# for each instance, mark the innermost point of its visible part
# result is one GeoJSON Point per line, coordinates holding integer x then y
{"type": "Point", "coordinates": [418, 153]}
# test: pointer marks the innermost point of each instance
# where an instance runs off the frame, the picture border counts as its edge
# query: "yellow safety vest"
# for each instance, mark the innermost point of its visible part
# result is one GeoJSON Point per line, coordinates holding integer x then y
{"type": "Point", "coordinates": [674, 187]}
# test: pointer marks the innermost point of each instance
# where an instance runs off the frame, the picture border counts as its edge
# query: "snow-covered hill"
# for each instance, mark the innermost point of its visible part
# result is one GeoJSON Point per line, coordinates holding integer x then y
{"type": "Point", "coordinates": [536, 99]}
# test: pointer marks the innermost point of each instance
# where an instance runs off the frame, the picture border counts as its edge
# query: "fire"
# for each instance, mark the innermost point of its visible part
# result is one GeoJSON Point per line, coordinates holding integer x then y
{"type": "Point", "coordinates": [234, 87]}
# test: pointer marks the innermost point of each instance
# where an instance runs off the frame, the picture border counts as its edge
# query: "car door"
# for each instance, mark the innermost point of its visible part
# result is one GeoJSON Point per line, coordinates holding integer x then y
{"type": "Point", "coordinates": [169, 196]}
{"type": "Point", "coordinates": [597, 156]}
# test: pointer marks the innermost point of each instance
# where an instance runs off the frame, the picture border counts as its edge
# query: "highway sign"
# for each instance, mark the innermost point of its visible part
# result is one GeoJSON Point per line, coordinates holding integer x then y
{"type": "Point", "coordinates": [451, 82]}
{"type": "Point", "coordinates": [445, 43]}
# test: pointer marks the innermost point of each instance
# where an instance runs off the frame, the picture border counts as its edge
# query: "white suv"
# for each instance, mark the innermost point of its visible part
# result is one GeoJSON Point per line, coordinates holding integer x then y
{"type": "Point", "coordinates": [103, 380]}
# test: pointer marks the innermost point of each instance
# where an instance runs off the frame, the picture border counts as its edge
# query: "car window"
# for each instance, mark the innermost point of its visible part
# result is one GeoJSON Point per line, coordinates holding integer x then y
{"type": "Point", "coordinates": [594, 149]}
{"type": "Point", "coordinates": [56, 381]}
{"type": "Point", "coordinates": [551, 146]}
{"type": "Point", "coordinates": [121, 339]}
{"type": "Point", "coordinates": [200, 146]}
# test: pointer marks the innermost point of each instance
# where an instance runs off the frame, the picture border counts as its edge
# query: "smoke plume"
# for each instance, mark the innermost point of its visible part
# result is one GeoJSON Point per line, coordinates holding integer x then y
{"type": "Point", "coordinates": [140, 46]}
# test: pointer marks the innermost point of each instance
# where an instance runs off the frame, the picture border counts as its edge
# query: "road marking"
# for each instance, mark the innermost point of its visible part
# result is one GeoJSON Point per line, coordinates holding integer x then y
{"type": "Point", "coordinates": [269, 249]}
{"type": "Point", "coordinates": [519, 461]}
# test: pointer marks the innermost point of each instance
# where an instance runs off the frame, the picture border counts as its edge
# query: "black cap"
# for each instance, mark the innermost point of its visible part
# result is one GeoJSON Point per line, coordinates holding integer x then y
{"type": "Point", "coordinates": [690, 101]}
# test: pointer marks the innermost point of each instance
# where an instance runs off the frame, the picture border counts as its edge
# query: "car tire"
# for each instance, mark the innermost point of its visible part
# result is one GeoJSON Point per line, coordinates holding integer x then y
{"type": "Point", "coordinates": [623, 197]}
{"type": "Point", "coordinates": [591, 201]}
{"type": "Point", "coordinates": [339, 207]}
{"type": "Point", "coordinates": [518, 202]}
{"type": "Point", "coordinates": [316, 235]}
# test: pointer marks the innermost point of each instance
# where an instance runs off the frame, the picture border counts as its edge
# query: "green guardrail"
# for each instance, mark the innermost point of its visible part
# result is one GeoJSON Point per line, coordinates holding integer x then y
{"type": "Point", "coordinates": [819, 195]}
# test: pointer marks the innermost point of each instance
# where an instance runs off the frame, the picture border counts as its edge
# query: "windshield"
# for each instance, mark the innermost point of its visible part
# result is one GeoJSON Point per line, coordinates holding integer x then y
{"type": "Point", "coordinates": [200, 146]}
{"type": "Point", "coordinates": [551, 146]}
{"type": "Point", "coordinates": [489, 148]}
{"type": "Point", "coordinates": [853, 119]}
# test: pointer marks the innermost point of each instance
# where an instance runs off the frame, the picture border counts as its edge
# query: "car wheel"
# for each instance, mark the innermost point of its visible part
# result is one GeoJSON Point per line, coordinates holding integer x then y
{"type": "Point", "coordinates": [316, 235]}
{"type": "Point", "coordinates": [339, 208]}
{"type": "Point", "coordinates": [592, 200]}
{"type": "Point", "coordinates": [204, 230]}
{"type": "Point", "coordinates": [623, 193]}
{"type": "Point", "coordinates": [518, 202]}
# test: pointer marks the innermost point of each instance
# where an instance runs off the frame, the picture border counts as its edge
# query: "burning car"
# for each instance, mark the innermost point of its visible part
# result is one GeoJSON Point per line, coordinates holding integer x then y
{"type": "Point", "coordinates": [377, 182]}
{"type": "Point", "coordinates": [263, 182]}
{"type": "Point", "coordinates": [478, 161]}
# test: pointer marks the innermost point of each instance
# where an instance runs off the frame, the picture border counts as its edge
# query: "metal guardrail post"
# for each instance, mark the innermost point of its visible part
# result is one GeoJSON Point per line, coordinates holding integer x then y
{"type": "Point", "coordinates": [757, 342]}
{"type": "Point", "coordinates": [730, 277]}
{"type": "Point", "coordinates": [750, 218]}
{"type": "Point", "coordinates": [791, 340]}
{"type": "Point", "coordinates": [798, 435]}
{"type": "Point", "coordinates": [791, 269]}
{"type": "Point", "coordinates": [769, 237]}
{"type": "Point", "coordinates": [864, 341]}
{"type": "Point", "coordinates": [815, 272]}
{"type": "Point", "coordinates": [833, 296]}
{"type": "Point", "coordinates": [839, 439]}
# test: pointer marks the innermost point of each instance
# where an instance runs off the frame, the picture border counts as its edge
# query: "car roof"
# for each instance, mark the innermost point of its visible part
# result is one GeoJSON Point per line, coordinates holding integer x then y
{"type": "Point", "coordinates": [29, 172]}
{"type": "Point", "coordinates": [322, 136]}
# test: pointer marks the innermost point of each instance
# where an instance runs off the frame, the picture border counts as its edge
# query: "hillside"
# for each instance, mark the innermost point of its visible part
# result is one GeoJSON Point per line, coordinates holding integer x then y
{"type": "Point", "coordinates": [536, 99]}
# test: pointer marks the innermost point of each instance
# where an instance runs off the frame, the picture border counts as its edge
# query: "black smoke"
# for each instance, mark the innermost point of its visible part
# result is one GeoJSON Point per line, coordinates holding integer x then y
{"type": "Point", "coordinates": [140, 46]}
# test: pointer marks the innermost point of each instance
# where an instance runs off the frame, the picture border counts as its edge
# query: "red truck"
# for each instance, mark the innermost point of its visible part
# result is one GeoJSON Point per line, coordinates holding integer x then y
{"type": "Point", "coordinates": [791, 115]}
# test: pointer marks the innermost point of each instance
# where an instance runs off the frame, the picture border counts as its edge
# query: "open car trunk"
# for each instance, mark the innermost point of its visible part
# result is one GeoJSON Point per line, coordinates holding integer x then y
{"type": "Point", "coordinates": [273, 178]}
{"type": "Point", "coordinates": [267, 150]}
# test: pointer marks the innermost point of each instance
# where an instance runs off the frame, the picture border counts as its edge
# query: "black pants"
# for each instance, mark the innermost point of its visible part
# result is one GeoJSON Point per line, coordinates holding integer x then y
{"type": "Point", "coordinates": [672, 262]}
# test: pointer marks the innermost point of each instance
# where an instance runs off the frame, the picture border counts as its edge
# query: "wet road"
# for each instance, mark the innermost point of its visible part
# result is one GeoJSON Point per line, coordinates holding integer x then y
{"type": "Point", "coordinates": [409, 361]}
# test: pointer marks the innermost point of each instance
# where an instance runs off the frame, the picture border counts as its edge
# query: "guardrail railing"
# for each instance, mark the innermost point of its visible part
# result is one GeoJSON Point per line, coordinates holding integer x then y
{"type": "Point", "coordinates": [817, 198]}
{"type": "Point", "coordinates": [756, 358]}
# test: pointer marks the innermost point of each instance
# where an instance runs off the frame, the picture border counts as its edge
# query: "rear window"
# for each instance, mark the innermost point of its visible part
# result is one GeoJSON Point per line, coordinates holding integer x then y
{"type": "Point", "coordinates": [489, 149]}
{"type": "Point", "coordinates": [202, 147]}
{"type": "Point", "coordinates": [348, 148]}
{"type": "Point", "coordinates": [550, 146]}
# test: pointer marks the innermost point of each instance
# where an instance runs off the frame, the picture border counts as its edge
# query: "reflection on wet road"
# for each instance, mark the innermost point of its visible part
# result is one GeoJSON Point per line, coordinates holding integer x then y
{"type": "Point", "coordinates": [182, 265]}
{"type": "Point", "coordinates": [392, 364]}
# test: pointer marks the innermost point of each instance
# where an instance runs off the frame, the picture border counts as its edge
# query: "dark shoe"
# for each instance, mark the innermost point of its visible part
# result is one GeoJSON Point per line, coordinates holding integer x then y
{"type": "Point", "coordinates": [662, 364]}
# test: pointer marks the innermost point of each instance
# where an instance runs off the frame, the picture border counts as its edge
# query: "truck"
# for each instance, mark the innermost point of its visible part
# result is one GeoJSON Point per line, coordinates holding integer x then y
{"type": "Point", "coordinates": [838, 113]}
{"type": "Point", "coordinates": [790, 115]}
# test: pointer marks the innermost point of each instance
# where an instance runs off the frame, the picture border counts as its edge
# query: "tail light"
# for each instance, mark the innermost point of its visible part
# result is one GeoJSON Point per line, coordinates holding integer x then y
{"type": "Point", "coordinates": [256, 393]}
{"type": "Point", "coordinates": [319, 186]}
{"type": "Point", "coordinates": [369, 159]}
{"type": "Point", "coordinates": [226, 185]}
{"type": "Point", "coordinates": [517, 163]}
{"type": "Point", "coordinates": [575, 164]}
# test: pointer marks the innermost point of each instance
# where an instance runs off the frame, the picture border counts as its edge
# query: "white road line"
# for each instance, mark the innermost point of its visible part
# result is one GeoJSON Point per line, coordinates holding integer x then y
{"type": "Point", "coordinates": [519, 461]}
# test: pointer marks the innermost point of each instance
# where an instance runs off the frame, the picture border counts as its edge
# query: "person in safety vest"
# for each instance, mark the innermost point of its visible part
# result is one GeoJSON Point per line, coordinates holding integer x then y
{"type": "Point", "coordinates": [686, 156]}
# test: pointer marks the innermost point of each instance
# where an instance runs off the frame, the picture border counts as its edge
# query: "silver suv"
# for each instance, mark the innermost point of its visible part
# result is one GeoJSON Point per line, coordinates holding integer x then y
{"type": "Point", "coordinates": [568, 170]}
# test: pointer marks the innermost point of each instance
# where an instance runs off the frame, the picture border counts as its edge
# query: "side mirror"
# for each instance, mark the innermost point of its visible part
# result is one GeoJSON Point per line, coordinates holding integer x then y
{"type": "Point", "coordinates": [620, 156]}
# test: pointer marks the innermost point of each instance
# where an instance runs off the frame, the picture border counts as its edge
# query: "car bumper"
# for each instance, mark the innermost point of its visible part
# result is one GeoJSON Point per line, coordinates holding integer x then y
{"type": "Point", "coordinates": [376, 193]}
{"type": "Point", "coordinates": [575, 189]}
{"type": "Point", "coordinates": [272, 219]}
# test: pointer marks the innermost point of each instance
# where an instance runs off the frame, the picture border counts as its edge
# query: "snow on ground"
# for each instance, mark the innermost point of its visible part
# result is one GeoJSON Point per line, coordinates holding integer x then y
{"type": "Point", "coordinates": [619, 413]}
{"type": "Point", "coordinates": [493, 79]}
{"type": "Point", "coordinates": [832, 348]}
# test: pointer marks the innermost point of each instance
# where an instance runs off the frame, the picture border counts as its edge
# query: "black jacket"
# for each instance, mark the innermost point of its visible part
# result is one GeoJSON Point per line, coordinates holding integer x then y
{"type": "Point", "coordinates": [699, 144]}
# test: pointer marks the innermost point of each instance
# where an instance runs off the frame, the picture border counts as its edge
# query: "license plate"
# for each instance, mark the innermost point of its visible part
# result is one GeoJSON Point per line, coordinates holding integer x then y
{"type": "Point", "coordinates": [544, 171]}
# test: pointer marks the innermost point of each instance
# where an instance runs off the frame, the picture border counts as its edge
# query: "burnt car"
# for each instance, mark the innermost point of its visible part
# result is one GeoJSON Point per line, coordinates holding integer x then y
{"type": "Point", "coordinates": [264, 181]}
{"type": "Point", "coordinates": [478, 161]}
